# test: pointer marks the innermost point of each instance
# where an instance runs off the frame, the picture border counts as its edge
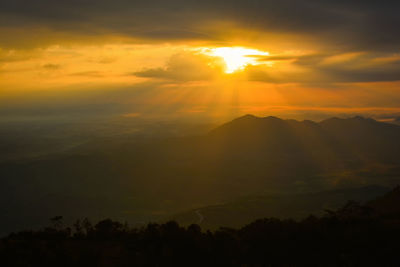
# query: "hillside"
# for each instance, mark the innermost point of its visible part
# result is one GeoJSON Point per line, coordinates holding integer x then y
{"type": "Point", "coordinates": [244, 210]}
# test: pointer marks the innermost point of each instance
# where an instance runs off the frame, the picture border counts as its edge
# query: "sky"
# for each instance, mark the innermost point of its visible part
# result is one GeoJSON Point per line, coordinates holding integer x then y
{"type": "Point", "coordinates": [304, 59]}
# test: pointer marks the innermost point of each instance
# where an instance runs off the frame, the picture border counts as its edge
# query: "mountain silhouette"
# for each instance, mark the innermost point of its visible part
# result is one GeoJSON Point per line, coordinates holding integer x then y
{"type": "Point", "coordinates": [351, 138]}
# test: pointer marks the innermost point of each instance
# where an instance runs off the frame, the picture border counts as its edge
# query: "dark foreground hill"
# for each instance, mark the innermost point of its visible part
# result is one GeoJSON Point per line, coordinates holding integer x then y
{"type": "Point", "coordinates": [353, 235]}
{"type": "Point", "coordinates": [147, 180]}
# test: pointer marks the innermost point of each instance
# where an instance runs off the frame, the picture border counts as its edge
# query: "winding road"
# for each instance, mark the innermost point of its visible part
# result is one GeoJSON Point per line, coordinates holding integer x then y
{"type": "Point", "coordinates": [201, 217]}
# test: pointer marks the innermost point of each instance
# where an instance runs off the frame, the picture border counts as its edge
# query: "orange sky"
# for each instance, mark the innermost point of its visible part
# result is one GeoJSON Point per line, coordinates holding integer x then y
{"type": "Point", "coordinates": [204, 64]}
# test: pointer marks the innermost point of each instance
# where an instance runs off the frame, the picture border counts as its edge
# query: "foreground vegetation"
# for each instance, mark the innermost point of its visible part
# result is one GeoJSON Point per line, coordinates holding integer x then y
{"type": "Point", "coordinates": [354, 235]}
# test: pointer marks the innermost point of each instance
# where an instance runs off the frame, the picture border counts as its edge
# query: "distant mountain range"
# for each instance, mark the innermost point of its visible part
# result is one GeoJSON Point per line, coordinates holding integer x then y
{"type": "Point", "coordinates": [150, 179]}
{"type": "Point", "coordinates": [354, 138]}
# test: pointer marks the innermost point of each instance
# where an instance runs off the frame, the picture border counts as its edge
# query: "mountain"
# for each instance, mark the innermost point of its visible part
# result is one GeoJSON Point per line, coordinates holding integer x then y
{"type": "Point", "coordinates": [148, 179]}
{"type": "Point", "coordinates": [353, 137]}
{"type": "Point", "coordinates": [388, 204]}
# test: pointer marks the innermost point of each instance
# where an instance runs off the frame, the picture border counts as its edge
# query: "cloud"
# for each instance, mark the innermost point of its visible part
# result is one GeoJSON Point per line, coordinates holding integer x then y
{"type": "Point", "coordinates": [274, 58]}
{"type": "Point", "coordinates": [90, 73]}
{"type": "Point", "coordinates": [340, 24]}
{"type": "Point", "coordinates": [315, 68]}
{"type": "Point", "coordinates": [185, 66]}
{"type": "Point", "coordinates": [331, 68]}
{"type": "Point", "coordinates": [7, 56]}
{"type": "Point", "coordinates": [355, 67]}
{"type": "Point", "coordinates": [103, 60]}
{"type": "Point", "coordinates": [52, 66]}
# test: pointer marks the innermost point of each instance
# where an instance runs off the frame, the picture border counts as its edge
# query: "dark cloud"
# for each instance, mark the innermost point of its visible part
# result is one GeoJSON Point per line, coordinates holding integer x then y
{"type": "Point", "coordinates": [383, 73]}
{"type": "Point", "coordinates": [351, 24]}
{"type": "Point", "coordinates": [52, 66]}
{"type": "Point", "coordinates": [90, 73]}
{"type": "Point", "coordinates": [371, 67]}
{"type": "Point", "coordinates": [332, 68]}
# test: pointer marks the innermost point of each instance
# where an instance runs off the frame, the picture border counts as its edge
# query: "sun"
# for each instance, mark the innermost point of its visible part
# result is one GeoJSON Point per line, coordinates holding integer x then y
{"type": "Point", "coordinates": [237, 58]}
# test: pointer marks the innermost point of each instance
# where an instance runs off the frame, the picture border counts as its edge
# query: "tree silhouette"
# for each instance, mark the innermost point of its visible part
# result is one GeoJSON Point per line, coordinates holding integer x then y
{"type": "Point", "coordinates": [353, 235]}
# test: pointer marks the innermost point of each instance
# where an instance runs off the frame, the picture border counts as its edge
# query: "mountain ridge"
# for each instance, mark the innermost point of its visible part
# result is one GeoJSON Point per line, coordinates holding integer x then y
{"type": "Point", "coordinates": [249, 118]}
{"type": "Point", "coordinates": [363, 135]}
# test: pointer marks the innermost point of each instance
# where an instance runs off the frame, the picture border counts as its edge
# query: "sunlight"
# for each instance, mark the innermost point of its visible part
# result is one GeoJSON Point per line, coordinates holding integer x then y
{"type": "Point", "coordinates": [236, 58]}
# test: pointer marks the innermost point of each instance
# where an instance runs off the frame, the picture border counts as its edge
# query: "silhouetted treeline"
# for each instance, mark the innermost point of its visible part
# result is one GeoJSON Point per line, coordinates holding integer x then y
{"type": "Point", "coordinates": [354, 235]}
